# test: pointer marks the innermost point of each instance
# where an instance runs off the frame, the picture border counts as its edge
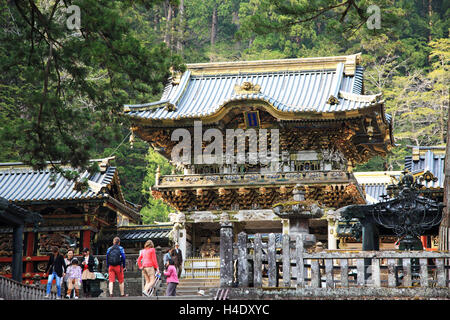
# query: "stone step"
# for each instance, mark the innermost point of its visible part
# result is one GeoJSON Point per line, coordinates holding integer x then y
{"type": "Point", "coordinates": [193, 288]}
{"type": "Point", "coordinates": [198, 282]}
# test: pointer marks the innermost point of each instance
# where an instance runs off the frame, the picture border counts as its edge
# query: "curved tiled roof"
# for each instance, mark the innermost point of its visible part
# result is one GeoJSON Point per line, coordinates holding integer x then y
{"type": "Point", "coordinates": [428, 161]}
{"type": "Point", "coordinates": [198, 95]}
{"type": "Point", "coordinates": [27, 185]}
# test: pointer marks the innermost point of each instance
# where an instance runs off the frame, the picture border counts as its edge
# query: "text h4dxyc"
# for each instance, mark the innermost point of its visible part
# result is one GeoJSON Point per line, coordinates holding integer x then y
{"type": "Point", "coordinates": [241, 309]}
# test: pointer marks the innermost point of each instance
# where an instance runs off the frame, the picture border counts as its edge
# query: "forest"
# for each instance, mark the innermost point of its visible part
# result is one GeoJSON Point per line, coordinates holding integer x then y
{"type": "Point", "coordinates": [62, 89]}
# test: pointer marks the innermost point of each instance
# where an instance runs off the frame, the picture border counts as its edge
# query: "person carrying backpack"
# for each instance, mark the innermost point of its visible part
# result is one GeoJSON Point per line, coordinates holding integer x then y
{"type": "Point", "coordinates": [115, 262]}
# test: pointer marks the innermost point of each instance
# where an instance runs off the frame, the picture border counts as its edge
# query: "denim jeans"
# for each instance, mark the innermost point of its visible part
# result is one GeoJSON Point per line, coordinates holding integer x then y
{"type": "Point", "coordinates": [58, 283]}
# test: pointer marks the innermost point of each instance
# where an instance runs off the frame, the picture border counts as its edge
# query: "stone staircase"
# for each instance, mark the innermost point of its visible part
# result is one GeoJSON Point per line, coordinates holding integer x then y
{"type": "Point", "coordinates": [188, 289]}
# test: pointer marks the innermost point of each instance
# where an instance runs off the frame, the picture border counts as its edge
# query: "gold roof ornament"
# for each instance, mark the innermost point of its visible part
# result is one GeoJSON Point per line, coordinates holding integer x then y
{"type": "Point", "coordinates": [170, 107]}
{"type": "Point", "coordinates": [247, 88]}
{"type": "Point", "coordinates": [332, 100]}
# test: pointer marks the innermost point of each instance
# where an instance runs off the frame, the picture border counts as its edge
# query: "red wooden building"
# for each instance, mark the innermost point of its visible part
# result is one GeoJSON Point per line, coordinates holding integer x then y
{"type": "Point", "coordinates": [71, 218]}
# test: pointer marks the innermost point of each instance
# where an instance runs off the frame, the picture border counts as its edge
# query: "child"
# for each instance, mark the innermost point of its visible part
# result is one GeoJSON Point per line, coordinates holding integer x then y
{"type": "Point", "coordinates": [172, 279]}
{"type": "Point", "coordinates": [73, 278]}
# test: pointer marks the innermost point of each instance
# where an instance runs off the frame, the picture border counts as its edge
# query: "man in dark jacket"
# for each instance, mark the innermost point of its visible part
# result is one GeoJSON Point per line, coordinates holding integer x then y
{"type": "Point", "coordinates": [178, 259]}
{"type": "Point", "coordinates": [56, 269]}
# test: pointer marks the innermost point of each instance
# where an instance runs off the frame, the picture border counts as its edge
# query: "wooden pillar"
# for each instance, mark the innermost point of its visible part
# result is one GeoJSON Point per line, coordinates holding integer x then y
{"type": "Point", "coordinates": [30, 247]}
{"type": "Point", "coordinates": [17, 267]}
{"type": "Point", "coordinates": [226, 254]}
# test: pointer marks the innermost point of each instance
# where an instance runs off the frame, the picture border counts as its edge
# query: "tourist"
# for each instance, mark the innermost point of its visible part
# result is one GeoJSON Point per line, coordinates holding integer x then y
{"type": "Point", "coordinates": [55, 269]}
{"type": "Point", "coordinates": [178, 259]}
{"type": "Point", "coordinates": [171, 279]}
{"type": "Point", "coordinates": [167, 257]}
{"type": "Point", "coordinates": [148, 264]}
{"type": "Point", "coordinates": [67, 260]}
{"type": "Point", "coordinates": [115, 262]}
{"type": "Point", "coordinates": [88, 274]}
{"type": "Point", "coordinates": [73, 278]}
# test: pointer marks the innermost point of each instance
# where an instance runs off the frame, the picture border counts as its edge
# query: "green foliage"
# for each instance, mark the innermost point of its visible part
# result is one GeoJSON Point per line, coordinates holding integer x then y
{"type": "Point", "coordinates": [155, 209]}
{"type": "Point", "coordinates": [63, 90]}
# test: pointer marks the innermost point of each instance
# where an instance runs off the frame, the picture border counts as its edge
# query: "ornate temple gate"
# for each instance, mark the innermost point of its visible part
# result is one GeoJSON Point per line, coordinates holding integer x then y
{"type": "Point", "coordinates": [316, 135]}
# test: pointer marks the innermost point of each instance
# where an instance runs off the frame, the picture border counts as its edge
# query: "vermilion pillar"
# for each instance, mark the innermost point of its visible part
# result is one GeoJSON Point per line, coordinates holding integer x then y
{"type": "Point", "coordinates": [87, 239]}
{"type": "Point", "coordinates": [30, 248]}
{"type": "Point", "coordinates": [424, 241]}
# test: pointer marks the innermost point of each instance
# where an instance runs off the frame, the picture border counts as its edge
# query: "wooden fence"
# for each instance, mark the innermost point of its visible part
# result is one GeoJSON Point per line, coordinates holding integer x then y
{"type": "Point", "coordinates": [287, 265]}
{"type": "Point", "coordinates": [13, 290]}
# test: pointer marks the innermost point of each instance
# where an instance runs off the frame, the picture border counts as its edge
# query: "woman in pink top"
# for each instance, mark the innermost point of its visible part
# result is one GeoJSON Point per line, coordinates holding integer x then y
{"type": "Point", "coordinates": [171, 278]}
{"type": "Point", "coordinates": [148, 264]}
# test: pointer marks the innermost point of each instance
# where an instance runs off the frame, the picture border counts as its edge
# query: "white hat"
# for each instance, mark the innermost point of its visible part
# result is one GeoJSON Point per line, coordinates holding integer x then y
{"type": "Point", "coordinates": [201, 292]}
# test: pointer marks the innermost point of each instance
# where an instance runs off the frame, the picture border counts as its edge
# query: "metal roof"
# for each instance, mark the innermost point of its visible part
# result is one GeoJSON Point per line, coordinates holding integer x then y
{"type": "Point", "coordinates": [374, 191]}
{"type": "Point", "coordinates": [375, 183]}
{"type": "Point", "coordinates": [429, 161]}
{"type": "Point", "coordinates": [140, 233]}
{"type": "Point", "coordinates": [28, 185]}
{"type": "Point", "coordinates": [197, 95]}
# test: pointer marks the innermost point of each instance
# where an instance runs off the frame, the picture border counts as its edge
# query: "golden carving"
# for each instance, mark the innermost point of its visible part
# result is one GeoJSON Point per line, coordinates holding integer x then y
{"type": "Point", "coordinates": [332, 100]}
{"type": "Point", "coordinates": [247, 88]}
{"type": "Point", "coordinates": [171, 107]}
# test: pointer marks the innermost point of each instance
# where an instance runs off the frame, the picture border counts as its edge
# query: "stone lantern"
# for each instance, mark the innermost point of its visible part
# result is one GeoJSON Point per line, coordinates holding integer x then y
{"type": "Point", "coordinates": [299, 211]}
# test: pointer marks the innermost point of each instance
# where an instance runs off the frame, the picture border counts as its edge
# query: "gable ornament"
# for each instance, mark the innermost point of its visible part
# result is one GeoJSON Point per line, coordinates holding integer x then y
{"type": "Point", "coordinates": [247, 88]}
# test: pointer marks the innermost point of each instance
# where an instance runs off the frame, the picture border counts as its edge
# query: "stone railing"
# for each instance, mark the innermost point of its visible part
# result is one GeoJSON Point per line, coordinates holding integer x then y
{"type": "Point", "coordinates": [233, 179]}
{"type": "Point", "coordinates": [13, 290]}
{"type": "Point", "coordinates": [288, 265]}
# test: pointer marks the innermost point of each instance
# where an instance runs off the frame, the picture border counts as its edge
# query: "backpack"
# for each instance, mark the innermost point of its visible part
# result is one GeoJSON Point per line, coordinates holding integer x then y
{"type": "Point", "coordinates": [114, 256]}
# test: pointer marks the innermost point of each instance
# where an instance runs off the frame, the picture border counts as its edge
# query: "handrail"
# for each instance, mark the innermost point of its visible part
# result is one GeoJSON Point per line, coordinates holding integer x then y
{"type": "Point", "coordinates": [13, 290]}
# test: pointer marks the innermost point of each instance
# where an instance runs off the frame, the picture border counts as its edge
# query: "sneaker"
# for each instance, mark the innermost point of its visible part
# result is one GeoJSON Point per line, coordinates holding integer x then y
{"type": "Point", "coordinates": [145, 293]}
{"type": "Point", "coordinates": [47, 296]}
{"type": "Point", "coordinates": [76, 297]}
{"type": "Point", "coordinates": [58, 298]}
{"type": "Point", "coordinates": [67, 296]}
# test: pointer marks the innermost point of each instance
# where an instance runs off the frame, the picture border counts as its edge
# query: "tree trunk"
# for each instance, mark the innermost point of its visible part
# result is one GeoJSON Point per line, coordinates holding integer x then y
{"type": "Point", "coordinates": [430, 23]}
{"type": "Point", "coordinates": [444, 229]}
{"type": "Point", "coordinates": [156, 19]}
{"type": "Point", "coordinates": [168, 23]}
{"type": "Point", "coordinates": [181, 27]}
{"type": "Point", "coordinates": [214, 26]}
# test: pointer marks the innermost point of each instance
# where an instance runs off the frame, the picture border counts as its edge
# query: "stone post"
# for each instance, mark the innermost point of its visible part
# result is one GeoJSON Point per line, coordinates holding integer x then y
{"type": "Point", "coordinates": [332, 218]}
{"type": "Point", "coordinates": [182, 244]}
{"type": "Point", "coordinates": [226, 254]}
{"type": "Point", "coordinates": [159, 258]}
{"type": "Point", "coordinates": [243, 273]}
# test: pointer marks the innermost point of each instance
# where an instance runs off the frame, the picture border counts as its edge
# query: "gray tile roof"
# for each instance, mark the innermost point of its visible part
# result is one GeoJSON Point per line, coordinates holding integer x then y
{"type": "Point", "coordinates": [27, 185]}
{"type": "Point", "coordinates": [430, 161]}
{"type": "Point", "coordinates": [374, 191]}
{"type": "Point", "coordinates": [288, 91]}
{"type": "Point", "coordinates": [139, 233]}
